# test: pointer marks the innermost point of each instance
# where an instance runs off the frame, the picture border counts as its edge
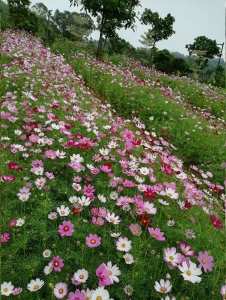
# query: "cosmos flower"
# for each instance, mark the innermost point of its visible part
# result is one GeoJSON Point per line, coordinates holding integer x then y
{"type": "Point", "coordinates": [35, 285]}
{"type": "Point", "coordinates": [60, 290]}
{"type": "Point", "coordinates": [93, 240]}
{"type": "Point", "coordinates": [205, 261]}
{"type": "Point", "coordinates": [163, 286]}
{"type": "Point", "coordinates": [190, 272]}
{"type": "Point", "coordinates": [157, 234]}
{"type": "Point", "coordinates": [66, 228]}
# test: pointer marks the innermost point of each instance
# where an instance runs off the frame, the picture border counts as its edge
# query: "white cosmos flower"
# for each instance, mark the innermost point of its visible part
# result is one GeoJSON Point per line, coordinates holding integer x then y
{"type": "Point", "coordinates": [46, 253]}
{"type": "Point", "coordinates": [20, 222]}
{"type": "Point", "coordinates": [115, 234]}
{"type": "Point", "coordinates": [63, 211]}
{"type": "Point", "coordinates": [128, 258]}
{"type": "Point", "coordinates": [84, 201]}
{"type": "Point", "coordinates": [73, 199]}
{"type": "Point", "coordinates": [35, 285]}
{"type": "Point", "coordinates": [163, 286]}
{"type": "Point", "coordinates": [144, 171]}
{"type": "Point", "coordinates": [6, 288]}
{"type": "Point", "coordinates": [123, 244]}
{"type": "Point", "coordinates": [81, 275]}
{"type": "Point", "coordinates": [114, 272]}
{"type": "Point", "coordinates": [191, 272]}
{"type": "Point", "coordinates": [112, 218]}
{"type": "Point", "coordinates": [100, 293]}
{"type": "Point", "coordinates": [48, 269]}
{"type": "Point", "coordinates": [104, 151]}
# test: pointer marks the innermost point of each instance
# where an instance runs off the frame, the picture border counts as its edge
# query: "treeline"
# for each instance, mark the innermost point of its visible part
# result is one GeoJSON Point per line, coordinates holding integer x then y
{"type": "Point", "coordinates": [201, 63]}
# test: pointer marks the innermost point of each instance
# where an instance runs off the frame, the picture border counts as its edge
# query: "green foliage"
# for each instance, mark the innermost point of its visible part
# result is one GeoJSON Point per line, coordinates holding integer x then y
{"type": "Point", "coordinates": [161, 29]}
{"type": "Point", "coordinates": [19, 13]}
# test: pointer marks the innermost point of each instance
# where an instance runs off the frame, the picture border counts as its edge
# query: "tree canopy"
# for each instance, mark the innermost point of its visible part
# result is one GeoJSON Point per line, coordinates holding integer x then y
{"type": "Point", "coordinates": [111, 15]}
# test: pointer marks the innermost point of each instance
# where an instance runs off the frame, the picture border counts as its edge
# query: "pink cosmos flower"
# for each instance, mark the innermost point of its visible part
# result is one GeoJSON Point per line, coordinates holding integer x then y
{"type": "Point", "coordinates": [205, 261]}
{"type": "Point", "coordinates": [77, 295]}
{"type": "Point", "coordinates": [135, 229]}
{"type": "Point", "coordinates": [12, 223]}
{"type": "Point", "coordinates": [102, 273]}
{"type": "Point", "coordinates": [186, 249]}
{"type": "Point", "coordinates": [5, 237]}
{"type": "Point", "coordinates": [171, 256]}
{"type": "Point", "coordinates": [87, 190]}
{"type": "Point", "coordinates": [49, 175]}
{"type": "Point", "coordinates": [93, 240]}
{"type": "Point", "coordinates": [57, 263]}
{"type": "Point", "coordinates": [66, 228]}
{"type": "Point", "coordinates": [157, 234]}
{"type": "Point", "coordinates": [17, 291]}
{"type": "Point", "coordinates": [60, 290]}
{"type": "Point", "coordinates": [97, 221]}
{"type": "Point", "coordinates": [128, 183]}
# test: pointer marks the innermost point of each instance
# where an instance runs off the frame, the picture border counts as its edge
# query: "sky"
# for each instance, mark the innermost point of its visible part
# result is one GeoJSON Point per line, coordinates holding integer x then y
{"type": "Point", "coordinates": [193, 18]}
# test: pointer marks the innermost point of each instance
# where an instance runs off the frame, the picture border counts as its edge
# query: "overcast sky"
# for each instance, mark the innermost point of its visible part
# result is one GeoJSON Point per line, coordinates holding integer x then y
{"type": "Point", "coordinates": [193, 18]}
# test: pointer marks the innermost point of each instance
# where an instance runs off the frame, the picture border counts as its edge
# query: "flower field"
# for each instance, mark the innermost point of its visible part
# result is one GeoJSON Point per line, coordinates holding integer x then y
{"type": "Point", "coordinates": [112, 182]}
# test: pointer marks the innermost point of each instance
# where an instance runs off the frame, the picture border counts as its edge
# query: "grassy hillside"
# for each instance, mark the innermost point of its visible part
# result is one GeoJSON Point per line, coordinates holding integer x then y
{"type": "Point", "coordinates": [95, 202]}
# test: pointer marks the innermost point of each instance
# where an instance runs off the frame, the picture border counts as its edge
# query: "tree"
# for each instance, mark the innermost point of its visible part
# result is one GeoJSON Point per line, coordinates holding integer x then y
{"type": "Point", "coordinates": [40, 9]}
{"type": "Point", "coordinates": [161, 29]}
{"type": "Point", "coordinates": [202, 43]}
{"type": "Point", "coordinates": [19, 13]}
{"type": "Point", "coordinates": [111, 15]}
{"type": "Point", "coordinates": [82, 27]}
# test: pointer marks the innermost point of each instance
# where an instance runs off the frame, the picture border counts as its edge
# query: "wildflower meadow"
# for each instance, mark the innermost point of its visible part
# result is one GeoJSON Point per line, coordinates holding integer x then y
{"type": "Point", "coordinates": [112, 178]}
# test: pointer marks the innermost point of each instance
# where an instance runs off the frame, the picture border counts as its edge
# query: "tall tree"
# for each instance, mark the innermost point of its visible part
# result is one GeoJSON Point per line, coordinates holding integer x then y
{"type": "Point", "coordinates": [161, 29]}
{"type": "Point", "coordinates": [40, 9]}
{"type": "Point", "coordinates": [205, 45]}
{"type": "Point", "coordinates": [111, 15]}
{"type": "Point", "coordinates": [19, 12]}
{"type": "Point", "coordinates": [82, 27]}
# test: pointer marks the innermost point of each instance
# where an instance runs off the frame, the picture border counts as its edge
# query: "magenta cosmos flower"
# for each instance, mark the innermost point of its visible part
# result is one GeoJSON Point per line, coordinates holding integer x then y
{"type": "Point", "coordinates": [217, 223]}
{"type": "Point", "coordinates": [186, 249]}
{"type": "Point", "coordinates": [205, 261]}
{"type": "Point", "coordinates": [103, 275]}
{"type": "Point", "coordinates": [5, 237]}
{"type": "Point", "coordinates": [66, 228]}
{"type": "Point", "coordinates": [60, 290]}
{"type": "Point", "coordinates": [57, 263]}
{"type": "Point", "coordinates": [157, 234]}
{"type": "Point", "coordinates": [93, 240]}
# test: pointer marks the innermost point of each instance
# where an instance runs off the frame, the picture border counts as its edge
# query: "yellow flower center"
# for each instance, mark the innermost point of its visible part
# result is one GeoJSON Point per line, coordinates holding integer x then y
{"type": "Point", "coordinates": [56, 264]}
{"type": "Point", "coordinates": [171, 257]}
{"type": "Point", "coordinates": [66, 228]}
{"type": "Point", "coordinates": [99, 298]}
{"type": "Point", "coordinates": [81, 276]}
{"type": "Point", "coordinates": [61, 291]}
{"type": "Point", "coordinates": [112, 219]}
{"type": "Point", "coordinates": [123, 245]}
{"type": "Point", "coordinates": [188, 272]}
{"type": "Point", "coordinates": [163, 289]}
{"type": "Point", "coordinates": [204, 261]}
{"type": "Point", "coordinates": [62, 213]}
{"type": "Point", "coordinates": [6, 289]}
{"type": "Point", "coordinates": [93, 241]}
{"type": "Point", "coordinates": [36, 287]}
